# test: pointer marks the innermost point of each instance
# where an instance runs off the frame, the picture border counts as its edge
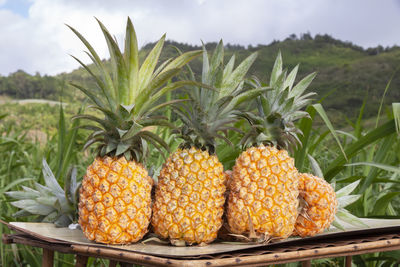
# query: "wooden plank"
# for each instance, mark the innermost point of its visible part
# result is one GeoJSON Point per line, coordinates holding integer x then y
{"type": "Point", "coordinates": [271, 258]}
{"type": "Point", "coordinates": [126, 256]}
{"type": "Point", "coordinates": [25, 240]}
{"type": "Point", "coordinates": [7, 239]}
{"type": "Point", "coordinates": [48, 258]}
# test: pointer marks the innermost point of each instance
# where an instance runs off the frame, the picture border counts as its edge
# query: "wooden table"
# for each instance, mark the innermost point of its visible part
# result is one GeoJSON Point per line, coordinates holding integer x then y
{"type": "Point", "coordinates": [303, 250]}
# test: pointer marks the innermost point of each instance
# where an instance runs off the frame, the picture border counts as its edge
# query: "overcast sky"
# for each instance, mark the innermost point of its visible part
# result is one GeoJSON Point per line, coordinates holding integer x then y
{"type": "Point", "coordinates": [34, 38]}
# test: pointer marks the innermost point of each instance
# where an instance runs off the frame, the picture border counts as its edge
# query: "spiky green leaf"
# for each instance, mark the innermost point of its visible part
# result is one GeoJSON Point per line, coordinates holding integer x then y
{"type": "Point", "coordinates": [347, 189]}
{"type": "Point", "coordinates": [149, 64]}
{"type": "Point", "coordinates": [344, 201]}
{"type": "Point", "coordinates": [276, 69]}
{"type": "Point", "coordinates": [236, 77]}
{"type": "Point", "coordinates": [315, 167]}
{"type": "Point", "coordinates": [131, 55]}
{"type": "Point", "coordinates": [301, 86]}
{"type": "Point", "coordinates": [382, 203]}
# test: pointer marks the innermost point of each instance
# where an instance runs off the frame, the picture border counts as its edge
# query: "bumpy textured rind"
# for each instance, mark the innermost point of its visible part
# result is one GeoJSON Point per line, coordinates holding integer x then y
{"type": "Point", "coordinates": [320, 205]}
{"type": "Point", "coordinates": [265, 186]}
{"type": "Point", "coordinates": [115, 201]}
{"type": "Point", "coordinates": [189, 197]}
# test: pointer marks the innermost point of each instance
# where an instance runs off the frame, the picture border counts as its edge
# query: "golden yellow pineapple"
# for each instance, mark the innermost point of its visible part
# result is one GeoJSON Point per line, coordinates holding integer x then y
{"type": "Point", "coordinates": [115, 197]}
{"type": "Point", "coordinates": [115, 201]}
{"type": "Point", "coordinates": [263, 198]}
{"type": "Point", "coordinates": [263, 192]}
{"type": "Point", "coordinates": [190, 197]}
{"type": "Point", "coordinates": [319, 205]}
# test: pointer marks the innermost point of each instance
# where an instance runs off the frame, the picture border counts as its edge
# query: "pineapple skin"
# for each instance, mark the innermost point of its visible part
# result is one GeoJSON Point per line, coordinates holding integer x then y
{"type": "Point", "coordinates": [115, 201]}
{"type": "Point", "coordinates": [264, 186]}
{"type": "Point", "coordinates": [189, 201]}
{"type": "Point", "coordinates": [321, 205]}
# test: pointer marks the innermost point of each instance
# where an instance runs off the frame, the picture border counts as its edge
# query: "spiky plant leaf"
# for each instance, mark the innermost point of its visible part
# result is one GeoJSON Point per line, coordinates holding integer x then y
{"type": "Point", "coordinates": [236, 77]}
{"type": "Point", "coordinates": [278, 108]}
{"type": "Point", "coordinates": [385, 167]}
{"type": "Point", "coordinates": [372, 136]}
{"type": "Point", "coordinates": [213, 105]}
{"type": "Point", "coordinates": [49, 201]}
{"type": "Point", "coordinates": [50, 179]}
{"type": "Point", "coordinates": [276, 69]}
{"type": "Point", "coordinates": [347, 189]}
{"type": "Point", "coordinates": [149, 64]}
{"type": "Point", "coordinates": [346, 216]}
{"type": "Point", "coordinates": [14, 183]}
{"type": "Point", "coordinates": [321, 111]}
{"type": "Point", "coordinates": [104, 75]}
{"type": "Point", "coordinates": [383, 202]}
{"type": "Point", "coordinates": [396, 114]}
{"type": "Point", "coordinates": [338, 225]}
{"type": "Point", "coordinates": [33, 207]}
{"type": "Point", "coordinates": [129, 94]}
{"type": "Point", "coordinates": [347, 200]}
{"type": "Point", "coordinates": [315, 167]}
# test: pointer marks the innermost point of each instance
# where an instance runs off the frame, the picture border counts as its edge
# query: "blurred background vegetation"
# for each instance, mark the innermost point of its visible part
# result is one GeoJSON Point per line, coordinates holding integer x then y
{"type": "Point", "coordinates": [346, 73]}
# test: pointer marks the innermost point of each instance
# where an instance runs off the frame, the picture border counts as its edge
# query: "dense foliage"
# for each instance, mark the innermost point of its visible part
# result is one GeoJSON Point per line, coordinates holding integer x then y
{"type": "Point", "coordinates": [23, 85]}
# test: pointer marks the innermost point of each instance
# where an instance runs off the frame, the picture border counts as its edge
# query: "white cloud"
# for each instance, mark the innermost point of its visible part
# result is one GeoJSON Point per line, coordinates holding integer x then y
{"type": "Point", "coordinates": [41, 42]}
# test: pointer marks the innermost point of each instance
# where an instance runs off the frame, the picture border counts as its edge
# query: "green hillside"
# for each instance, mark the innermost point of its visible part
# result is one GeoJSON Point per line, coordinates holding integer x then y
{"type": "Point", "coordinates": [346, 73]}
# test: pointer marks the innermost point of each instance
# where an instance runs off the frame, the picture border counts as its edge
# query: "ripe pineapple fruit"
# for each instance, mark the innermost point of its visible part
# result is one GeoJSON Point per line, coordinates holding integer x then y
{"type": "Point", "coordinates": [115, 197]}
{"type": "Point", "coordinates": [319, 205]}
{"type": "Point", "coordinates": [189, 200]}
{"type": "Point", "coordinates": [263, 198]}
{"type": "Point", "coordinates": [263, 193]}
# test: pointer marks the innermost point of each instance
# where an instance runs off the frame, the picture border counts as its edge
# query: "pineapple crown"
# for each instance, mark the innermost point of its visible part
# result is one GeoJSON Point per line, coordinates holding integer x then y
{"type": "Point", "coordinates": [212, 107]}
{"type": "Point", "coordinates": [278, 108]}
{"type": "Point", "coordinates": [50, 201]}
{"type": "Point", "coordinates": [128, 96]}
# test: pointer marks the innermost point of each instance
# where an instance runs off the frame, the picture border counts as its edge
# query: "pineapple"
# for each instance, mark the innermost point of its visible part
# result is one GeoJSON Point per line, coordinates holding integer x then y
{"type": "Point", "coordinates": [319, 205]}
{"type": "Point", "coordinates": [189, 201]}
{"type": "Point", "coordinates": [115, 197]}
{"type": "Point", "coordinates": [263, 198]}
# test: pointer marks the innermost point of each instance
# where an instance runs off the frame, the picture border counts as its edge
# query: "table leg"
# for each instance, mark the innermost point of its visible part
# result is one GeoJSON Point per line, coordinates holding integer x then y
{"type": "Point", "coordinates": [48, 258]}
{"type": "Point", "coordinates": [348, 261]}
{"type": "Point", "coordinates": [306, 263]}
{"type": "Point", "coordinates": [81, 261]}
